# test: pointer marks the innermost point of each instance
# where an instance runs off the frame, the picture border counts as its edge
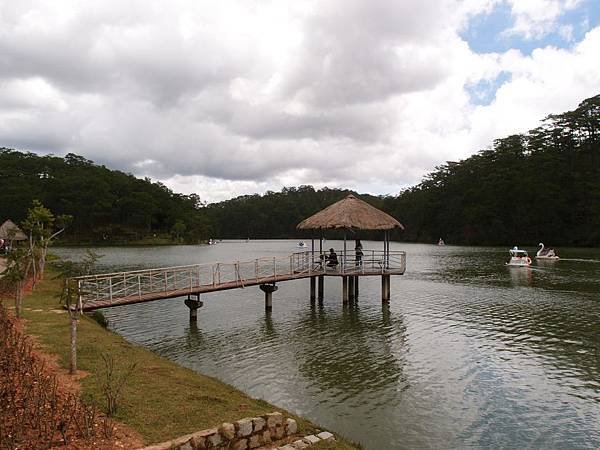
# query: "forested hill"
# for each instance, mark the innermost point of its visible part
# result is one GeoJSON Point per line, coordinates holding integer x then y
{"type": "Point", "coordinates": [106, 205]}
{"type": "Point", "coordinates": [112, 207]}
{"type": "Point", "coordinates": [540, 186]}
{"type": "Point", "coordinates": [274, 214]}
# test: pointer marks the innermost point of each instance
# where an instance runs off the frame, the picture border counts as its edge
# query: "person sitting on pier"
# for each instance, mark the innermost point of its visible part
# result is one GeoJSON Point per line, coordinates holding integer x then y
{"type": "Point", "coordinates": [332, 259]}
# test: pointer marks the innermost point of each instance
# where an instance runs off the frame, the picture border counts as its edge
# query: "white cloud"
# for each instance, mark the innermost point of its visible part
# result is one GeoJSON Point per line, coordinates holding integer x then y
{"type": "Point", "coordinates": [238, 97]}
{"type": "Point", "coordinates": [536, 18]}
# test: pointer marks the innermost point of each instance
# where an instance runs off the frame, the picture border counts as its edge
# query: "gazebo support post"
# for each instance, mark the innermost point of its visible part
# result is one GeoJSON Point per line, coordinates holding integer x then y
{"type": "Point", "coordinates": [356, 278]}
{"type": "Point", "coordinates": [386, 250]}
{"type": "Point", "coordinates": [313, 279]}
{"type": "Point", "coordinates": [344, 289]}
{"type": "Point", "coordinates": [321, 246]}
{"type": "Point", "coordinates": [345, 252]}
{"type": "Point", "coordinates": [320, 287]}
{"type": "Point", "coordinates": [385, 288]}
{"type": "Point", "coordinates": [321, 283]}
{"type": "Point", "coordinates": [351, 287]}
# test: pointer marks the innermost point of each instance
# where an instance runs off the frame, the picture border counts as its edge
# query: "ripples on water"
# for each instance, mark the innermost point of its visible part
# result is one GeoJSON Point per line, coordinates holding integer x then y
{"type": "Point", "coordinates": [468, 354]}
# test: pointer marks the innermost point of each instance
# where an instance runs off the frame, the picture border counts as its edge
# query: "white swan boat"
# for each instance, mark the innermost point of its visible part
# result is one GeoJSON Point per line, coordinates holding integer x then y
{"type": "Point", "coordinates": [546, 253]}
{"type": "Point", "coordinates": [518, 258]}
{"type": "Point", "coordinates": [302, 244]}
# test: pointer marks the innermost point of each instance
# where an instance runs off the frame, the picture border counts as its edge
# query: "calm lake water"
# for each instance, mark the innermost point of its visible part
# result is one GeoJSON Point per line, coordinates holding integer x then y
{"type": "Point", "coordinates": [468, 354]}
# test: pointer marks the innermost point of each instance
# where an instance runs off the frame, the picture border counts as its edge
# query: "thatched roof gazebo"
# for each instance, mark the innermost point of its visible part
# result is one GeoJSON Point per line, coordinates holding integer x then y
{"type": "Point", "coordinates": [11, 232]}
{"type": "Point", "coordinates": [352, 213]}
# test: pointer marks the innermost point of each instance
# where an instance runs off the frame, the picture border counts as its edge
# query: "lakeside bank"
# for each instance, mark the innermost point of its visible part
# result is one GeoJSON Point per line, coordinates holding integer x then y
{"type": "Point", "coordinates": [161, 400]}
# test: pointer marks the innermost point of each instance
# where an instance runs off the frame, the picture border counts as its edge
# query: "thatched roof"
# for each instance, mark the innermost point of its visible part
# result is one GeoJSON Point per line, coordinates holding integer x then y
{"type": "Point", "coordinates": [350, 212]}
{"type": "Point", "coordinates": [8, 230]}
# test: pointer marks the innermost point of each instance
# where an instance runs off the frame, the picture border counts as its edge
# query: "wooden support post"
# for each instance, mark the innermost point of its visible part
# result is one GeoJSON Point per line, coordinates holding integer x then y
{"type": "Point", "coordinates": [350, 287]}
{"type": "Point", "coordinates": [313, 289]}
{"type": "Point", "coordinates": [193, 305]}
{"type": "Point", "coordinates": [356, 287]}
{"type": "Point", "coordinates": [345, 289]}
{"type": "Point", "coordinates": [385, 288]}
{"type": "Point", "coordinates": [268, 289]}
{"type": "Point", "coordinates": [321, 287]}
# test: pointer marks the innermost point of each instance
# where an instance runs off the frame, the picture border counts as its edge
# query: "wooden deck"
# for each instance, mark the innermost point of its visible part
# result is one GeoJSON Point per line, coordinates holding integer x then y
{"type": "Point", "coordinates": [122, 288]}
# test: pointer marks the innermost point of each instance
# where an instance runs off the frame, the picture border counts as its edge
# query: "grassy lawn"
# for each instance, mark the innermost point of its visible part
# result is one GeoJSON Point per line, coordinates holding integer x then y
{"type": "Point", "coordinates": [161, 400]}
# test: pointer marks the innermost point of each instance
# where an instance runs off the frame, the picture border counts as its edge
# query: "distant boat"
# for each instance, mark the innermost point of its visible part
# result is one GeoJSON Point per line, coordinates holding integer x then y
{"type": "Point", "coordinates": [441, 242]}
{"type": "Point", "coordinates": [301, 244]}
{"type": "Point", "coordinates": [211, 242]}
{"type": "Point", "coordinates": [546, 253]}
{"type": "Point", "coordinates": [518, 258]}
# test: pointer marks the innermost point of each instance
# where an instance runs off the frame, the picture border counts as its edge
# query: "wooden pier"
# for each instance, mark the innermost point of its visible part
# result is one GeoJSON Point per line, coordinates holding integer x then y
{"type": "Point", "coordinates": [123, 288]}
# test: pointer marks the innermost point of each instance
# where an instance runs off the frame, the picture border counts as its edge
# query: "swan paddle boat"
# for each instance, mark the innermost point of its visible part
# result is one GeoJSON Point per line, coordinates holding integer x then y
{"type": "Point", "coordinates": [546, 253]}
{"type": "Point", "coordinates": [518, 258]}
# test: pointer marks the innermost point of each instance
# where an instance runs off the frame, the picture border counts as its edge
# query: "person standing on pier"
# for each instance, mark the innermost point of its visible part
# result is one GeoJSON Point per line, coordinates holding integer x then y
{"type": "Point", "coordinates": [358, 250]}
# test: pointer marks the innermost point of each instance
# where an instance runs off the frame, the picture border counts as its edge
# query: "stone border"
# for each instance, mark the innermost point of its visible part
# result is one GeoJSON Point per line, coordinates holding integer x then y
{"type": "Point", "coordinates": [249, 433]}
{"type": "Point", "coordinates": [309, 440]}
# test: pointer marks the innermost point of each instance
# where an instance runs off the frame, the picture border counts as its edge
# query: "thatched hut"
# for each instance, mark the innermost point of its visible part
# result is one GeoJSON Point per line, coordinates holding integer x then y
{"type": "Point", "coordinates": [11, 232]}
{"type": "Point", "coordinates": [352, 213]}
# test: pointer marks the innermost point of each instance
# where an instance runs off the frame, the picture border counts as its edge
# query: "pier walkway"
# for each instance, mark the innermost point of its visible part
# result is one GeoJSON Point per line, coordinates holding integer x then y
{"type": "Point", "coordinates": [121, 288]}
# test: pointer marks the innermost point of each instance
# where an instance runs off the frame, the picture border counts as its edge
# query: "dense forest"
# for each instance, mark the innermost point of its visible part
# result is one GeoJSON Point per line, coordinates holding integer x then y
{"type": "Point", "coordinates": [106, 205]}
{"type": "Point", "coordinates": [542, 185]}
{"type": "Point", "coordinates": [274, 214]}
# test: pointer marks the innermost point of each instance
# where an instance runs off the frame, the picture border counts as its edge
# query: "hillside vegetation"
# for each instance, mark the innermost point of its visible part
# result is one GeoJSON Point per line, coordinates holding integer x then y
{"type": "Point", "coordinates": [542, 185]}
{"type": "Point", "coordinates": [539, 186]}
{"type": "Point", "coordinates": [107, 205]}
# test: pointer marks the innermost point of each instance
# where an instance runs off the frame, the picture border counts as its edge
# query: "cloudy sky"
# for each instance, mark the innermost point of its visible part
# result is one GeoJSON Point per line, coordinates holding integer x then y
{"type": "Point", "coordinates": [233, 97]}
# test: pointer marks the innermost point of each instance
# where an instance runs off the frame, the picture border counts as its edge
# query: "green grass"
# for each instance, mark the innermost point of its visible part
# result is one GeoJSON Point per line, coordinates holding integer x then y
{"type": "Point", "coordinates": [162, 400]}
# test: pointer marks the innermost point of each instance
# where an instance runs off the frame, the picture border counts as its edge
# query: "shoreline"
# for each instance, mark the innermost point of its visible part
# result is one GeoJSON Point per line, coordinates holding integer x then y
{"type": "Point", "coordinates": [161, 400]}
{"type": "Point", "coordinates": [163, 243]}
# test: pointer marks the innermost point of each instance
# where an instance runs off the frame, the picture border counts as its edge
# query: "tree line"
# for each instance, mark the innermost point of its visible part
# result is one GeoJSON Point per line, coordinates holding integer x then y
{"type": "Point", "coordinates": [106, 205]}
{"type": "Point", "coordinates": [538, 186]}
{"type": "Point", "coordinates": [543, 185]}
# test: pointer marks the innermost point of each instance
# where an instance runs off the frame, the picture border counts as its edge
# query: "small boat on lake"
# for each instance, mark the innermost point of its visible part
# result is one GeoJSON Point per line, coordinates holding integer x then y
{"type": "Point", "coordinates": [302, 244]}
{"type": "Point", "coordinates": [518, 258]}
{"type": "Point", "coordinates": [546, 253]}
{"type": "Point", "coordinates": [441, 242]}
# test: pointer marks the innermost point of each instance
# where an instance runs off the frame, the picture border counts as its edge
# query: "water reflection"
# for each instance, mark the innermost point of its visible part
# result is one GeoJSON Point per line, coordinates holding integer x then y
{"type": "Point", "coordinates": [346, 350]}
{"type": "Point", "coordinates": [520, 276]}
{"type": "Point", "coordinates": [267, 327]}
{"type": "Point", "coordinates": [194, 336]}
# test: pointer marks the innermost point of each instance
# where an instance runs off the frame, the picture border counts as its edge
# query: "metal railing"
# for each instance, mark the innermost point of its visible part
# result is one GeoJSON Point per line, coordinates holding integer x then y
{"type": "Point", "coordinates": [137, 284]}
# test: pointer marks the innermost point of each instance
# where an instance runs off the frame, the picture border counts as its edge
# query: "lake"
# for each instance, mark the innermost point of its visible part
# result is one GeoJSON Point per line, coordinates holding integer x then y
{"type": "Point", "coordinates": [468, 353]}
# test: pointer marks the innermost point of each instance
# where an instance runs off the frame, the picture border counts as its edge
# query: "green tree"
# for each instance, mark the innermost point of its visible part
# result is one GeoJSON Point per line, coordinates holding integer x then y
{"type": "Point", "coordinates": [177, 230]}
{"type": "Point", "coordinates": [16, 274]}
{"type": "Point", "coordinates": [40, 226]}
